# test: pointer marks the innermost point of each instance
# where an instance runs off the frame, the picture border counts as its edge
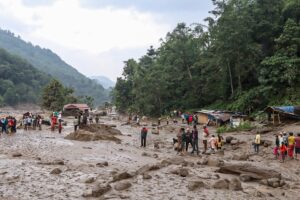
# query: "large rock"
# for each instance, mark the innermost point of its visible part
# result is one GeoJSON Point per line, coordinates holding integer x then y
{"type": "Point", "coordinates": [121, 176]}
{"type": "Point", "coordinates": [193, 185]}
{"type": "Point", "coordinates": [102, 164]}
{"type": "Point", "coordinates": [235, 184]}
{"type": "Point", "coordinates": [183, 172]}
{"type": "Point", "coordinates": [228, 139]}
{"type": "Point", "coordinates": [17, 154]}
{"type": "Point", "coordinates": [99, 190]}
{"type": "Point", "coordinates": [255, 172]}
{"type": "Point", "coordinates": [122, 186]}
{"type": "Point", "coordinates": [221, 184]}
{"type": "Point", "coordinates": [56, 171]}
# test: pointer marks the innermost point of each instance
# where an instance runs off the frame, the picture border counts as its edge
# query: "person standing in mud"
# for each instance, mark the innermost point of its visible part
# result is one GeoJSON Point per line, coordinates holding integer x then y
{"type": "Point", "coordinates": [75, 123]}
{"type": "Point", "coordinates": [283, 151]}
{"type": "Point", "coordinates": [291, 145]}
{"type": "Point", "coordinates": [195, 140]}
{"type": "Point", "coordinates": [97, 119]}
{"type": "Point", "coordinates": [59, 125]}
{"type": "Point", "coordinates": [4, 125]}
{"type": "Point", "coordinates": [188, 139]}
{"type": "Point", "coordinates": [144, 132]}
{"type": "Point", "coordinates": [184, 139]}
{"type": "Point", "coordinates": [179, 140]}
{"type": "Point", "coordinates": [205, 137]}
{"type": "Point", "coordinates": [257, 142]}
{"type": "Point", "coordinates": [297, 145]}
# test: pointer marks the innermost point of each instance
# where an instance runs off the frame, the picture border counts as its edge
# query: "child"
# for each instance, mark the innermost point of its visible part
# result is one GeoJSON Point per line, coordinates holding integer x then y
{"type": "Point", "coordinates": [283, 150]}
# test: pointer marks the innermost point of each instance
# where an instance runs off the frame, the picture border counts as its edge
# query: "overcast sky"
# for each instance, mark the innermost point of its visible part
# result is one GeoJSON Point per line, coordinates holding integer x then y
{"type": "Point", "coordinates": [96, 36]}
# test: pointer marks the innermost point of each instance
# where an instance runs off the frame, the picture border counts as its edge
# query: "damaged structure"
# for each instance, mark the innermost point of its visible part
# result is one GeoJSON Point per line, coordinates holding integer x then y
{"type": "Point", "coordinates": [278, 114]}
{"type": "Point", "coordinates": [219, 118]}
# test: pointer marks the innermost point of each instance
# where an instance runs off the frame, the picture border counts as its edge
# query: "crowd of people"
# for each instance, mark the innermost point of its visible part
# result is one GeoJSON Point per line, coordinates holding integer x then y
{"type": "Point", "coordinates": [287, 145]}
{"type": "Point", "coordinates": [31, 121]}
{"type": "Point", "coordinates": [8, 125]}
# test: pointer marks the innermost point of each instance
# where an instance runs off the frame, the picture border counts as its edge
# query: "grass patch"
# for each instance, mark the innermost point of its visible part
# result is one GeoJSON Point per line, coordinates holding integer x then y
{"type": "Point", "coordinates": [244, 126]}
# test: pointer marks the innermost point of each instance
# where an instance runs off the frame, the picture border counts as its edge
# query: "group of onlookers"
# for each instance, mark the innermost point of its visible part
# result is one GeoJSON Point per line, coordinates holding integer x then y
{"type": "Point", "coordinates": [187, 137]}
{"type": "Point", "coordinates": [287, 145]}
{"type": "Point", "coordinates": [8, 124]}
{"type": "Point", "coordinates": [31, 121]}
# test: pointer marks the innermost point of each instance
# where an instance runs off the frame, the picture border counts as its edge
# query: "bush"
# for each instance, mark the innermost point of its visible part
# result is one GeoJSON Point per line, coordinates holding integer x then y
{"type": "Point", "coordinates": [244, 126]}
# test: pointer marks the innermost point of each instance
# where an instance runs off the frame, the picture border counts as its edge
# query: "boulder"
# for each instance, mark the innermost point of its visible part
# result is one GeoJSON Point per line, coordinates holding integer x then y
{"type": "Point", "coordinates": [122, 186]}
{"type": "Point", "coordinates": [121, 176]}
{"type": "Point", "coordinates": [147, 176]}
{"type": "Point", "coordinates": [156, 145]}
{"type": "Point", "coordinates": [193, 185]}
{"type": "Point", "coordinates": [245, 178]}
{"type": "Point", "coordinates": [183, 172]}
{"type": "Point", "coordinates": [235, 184]}
{"type": "Point", "coordinates": [17, 154]}
{"type": "Point", "coordinates": [228, 139]}
{"type": "Point", "coordinates": [90, 180]}
{"type": "Point", "coordinates": [102, 164]}
{"type": "Point", "coordinates": [221, 184]}
{"type": "Point", "coordinates": [56, 171]}
{"type": "Point", "coordinates": [58, 162]}
{"type": "Point", "coordinates": [253, 171]}
{"type": "Point", "coordinates": [99, 190]}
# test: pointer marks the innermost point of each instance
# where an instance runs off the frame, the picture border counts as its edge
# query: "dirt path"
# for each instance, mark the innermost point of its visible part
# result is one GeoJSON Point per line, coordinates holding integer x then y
{"type": "Point", "coordinates": [154, 173]}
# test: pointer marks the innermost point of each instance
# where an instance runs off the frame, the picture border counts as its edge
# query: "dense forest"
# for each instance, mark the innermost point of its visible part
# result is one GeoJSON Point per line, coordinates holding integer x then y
{"type": "Point", "coordinates": [245, 58]}
{"type": "Point", "coordinates": [48, 62]}
{"type": "Point", "coordinates": [20, 82]}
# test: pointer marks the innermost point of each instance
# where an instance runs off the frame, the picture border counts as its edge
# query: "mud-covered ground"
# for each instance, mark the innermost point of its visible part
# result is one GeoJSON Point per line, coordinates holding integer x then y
{"type": "Point", "coordinates": [107, 170]}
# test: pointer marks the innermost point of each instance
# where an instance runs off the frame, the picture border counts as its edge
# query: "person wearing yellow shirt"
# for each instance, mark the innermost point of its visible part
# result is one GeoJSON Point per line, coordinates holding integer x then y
{"type": "Point", "coordinates": [291, 144]}
{"type": "Point", "coordinates": [257, 142]}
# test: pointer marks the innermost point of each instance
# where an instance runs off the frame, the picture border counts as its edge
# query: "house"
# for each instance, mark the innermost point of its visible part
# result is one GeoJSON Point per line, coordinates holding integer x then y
{"type": "Point", "coordinates": [219, 118]}
{"type": "Point", "coordinates": [277, 114]}
{"type": "Point", "coordinates": [76, 108]}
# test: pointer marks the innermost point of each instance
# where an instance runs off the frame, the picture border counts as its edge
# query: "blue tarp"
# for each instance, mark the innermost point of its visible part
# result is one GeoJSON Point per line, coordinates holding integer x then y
{"type": "Point", "coordinates": [289, 109]}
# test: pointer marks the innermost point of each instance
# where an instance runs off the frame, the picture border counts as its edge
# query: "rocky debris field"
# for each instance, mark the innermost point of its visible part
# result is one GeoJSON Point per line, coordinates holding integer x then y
{"type": "Point", "coordinates": [45, 165]}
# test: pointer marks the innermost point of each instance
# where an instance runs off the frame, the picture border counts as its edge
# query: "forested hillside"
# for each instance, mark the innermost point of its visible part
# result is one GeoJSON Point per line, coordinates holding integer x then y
{"type": "Point", "coordinates": [245, 59]}
{"type": "Point", "coordinates": [20, 82]}
{"type": "Point", "coordinates": [48, 62]}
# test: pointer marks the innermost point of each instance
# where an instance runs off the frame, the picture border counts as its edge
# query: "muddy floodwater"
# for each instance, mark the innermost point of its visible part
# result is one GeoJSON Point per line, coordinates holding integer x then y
{"type": "Point", "coordinates": [44, 165]}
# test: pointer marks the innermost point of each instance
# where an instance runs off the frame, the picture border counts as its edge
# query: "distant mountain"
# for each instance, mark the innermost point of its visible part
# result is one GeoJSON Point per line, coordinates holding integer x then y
{"type": "Point", "coordinates": [20, 82]}
{"type": "Point", "coordinates": [104, 81]}
{"type": "Point", "coordinates": [50, 63]}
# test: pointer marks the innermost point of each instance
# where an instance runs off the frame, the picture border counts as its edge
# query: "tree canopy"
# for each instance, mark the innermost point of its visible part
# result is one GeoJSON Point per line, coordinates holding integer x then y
{"type": "Point", "coordinates": [246, 58]}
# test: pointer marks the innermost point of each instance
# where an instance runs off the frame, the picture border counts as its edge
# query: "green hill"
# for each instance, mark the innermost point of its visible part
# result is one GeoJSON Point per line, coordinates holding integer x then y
{"type": "Point", "coordinates": [50, 63]}
{"type": "Point", "coordinates": [20, 82]}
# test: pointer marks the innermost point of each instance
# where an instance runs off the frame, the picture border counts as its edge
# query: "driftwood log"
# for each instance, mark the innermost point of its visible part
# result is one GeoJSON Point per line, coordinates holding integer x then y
{"type": "Point", "coordinates": [252, 171]}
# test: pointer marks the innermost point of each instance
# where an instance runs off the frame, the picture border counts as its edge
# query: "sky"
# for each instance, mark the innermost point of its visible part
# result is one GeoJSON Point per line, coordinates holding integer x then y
{"type": "Point", "coordinates": [96, 36]}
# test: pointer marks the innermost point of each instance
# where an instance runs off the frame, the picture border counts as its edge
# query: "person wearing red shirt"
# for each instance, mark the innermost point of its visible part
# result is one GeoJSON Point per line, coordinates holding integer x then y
{"type": "Point", "coordinates": [283, 150]}
{"type": "Point", "coordinates": [297, 145]}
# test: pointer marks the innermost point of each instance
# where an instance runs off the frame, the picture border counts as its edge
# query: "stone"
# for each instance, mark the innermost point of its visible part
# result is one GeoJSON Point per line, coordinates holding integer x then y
{"type": "Point", "coordinates": [56, 171]}
{"type": "Point", "coordinates": [241, 157]}
{"type": "Point", "coordinates": [144, 154]}
{"type": "Point", "coordinates": [102, 164]}
{"type": "Point", "coordinates": [254, 171]}
{"type": "Point", "coordinates": [99, 190]}
{"type": "Point", "coordinates": [235, 184]}
{"type": "Point", "coordinates": [90, 180]}
{"type": "Point", "coordinates": [155, 155]}
{"type": "Point", "coordinates": [183, 172]}
{"type": "Point", "coordinates": [193, 185]}
{"type": "Point", "coordinates": [235, 147]}
{"type": "Point", "coordinates": [17, 154]}
{"type": "Point", "coordinates": [122, 186]}
{"type": "Point", "coordinates": [228, 139]}
{"type": "Point", "coordinates": [147, 176]}
{"type": "Point", "coordinates": [121, 176]}
{"type": "Point", "coordinates": [221, 184]}
{"type": "Point", "coordinates": [156, 145]}
{"type": "Point", "coordinates": [58, 162]}
{"type": "Point", "coordinates": [245, 178]}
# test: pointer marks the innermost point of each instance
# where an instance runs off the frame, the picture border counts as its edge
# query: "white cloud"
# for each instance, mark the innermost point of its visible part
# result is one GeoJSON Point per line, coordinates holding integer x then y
{"type": "Point", "coordinates": [92, 30]}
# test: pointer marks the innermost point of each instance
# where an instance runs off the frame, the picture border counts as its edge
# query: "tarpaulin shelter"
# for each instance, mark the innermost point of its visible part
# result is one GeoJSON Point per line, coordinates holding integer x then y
{"type": "Point", "coordinates": [281, 113]}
